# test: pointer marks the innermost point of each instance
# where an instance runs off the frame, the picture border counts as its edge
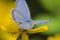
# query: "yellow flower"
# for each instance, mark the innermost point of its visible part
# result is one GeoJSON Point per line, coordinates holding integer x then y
{"type": "Point", "coordinates": [9, 29]}
{"type": "Point", "coordinates": [56, 37]}
{"type": "Point", "coordinates": [8, 35]}
{"type": "Point", "coordinates": [6, 22]}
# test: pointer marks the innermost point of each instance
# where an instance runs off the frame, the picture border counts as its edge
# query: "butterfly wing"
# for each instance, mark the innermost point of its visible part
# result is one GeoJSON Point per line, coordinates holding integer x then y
{"type": "Point", "coordinates": [22, 7]}
{"type": "Point", "coordinates": [26, 26]}
{"type": "Point", "coordinates": [17, 16]}
{"type": "Point", "coordinates": [41, 21]}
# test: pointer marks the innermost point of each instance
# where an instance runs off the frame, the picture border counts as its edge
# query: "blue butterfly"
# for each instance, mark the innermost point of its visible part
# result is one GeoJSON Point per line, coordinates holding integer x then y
{"type": "Point", "coordinates": [22, 14]}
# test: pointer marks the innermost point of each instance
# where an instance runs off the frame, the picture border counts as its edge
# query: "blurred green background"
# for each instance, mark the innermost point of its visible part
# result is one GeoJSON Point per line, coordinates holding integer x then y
{"type": "Point", "coordinates": [41, 10]}
{"type": "Point", "coordinates": [46, 10]}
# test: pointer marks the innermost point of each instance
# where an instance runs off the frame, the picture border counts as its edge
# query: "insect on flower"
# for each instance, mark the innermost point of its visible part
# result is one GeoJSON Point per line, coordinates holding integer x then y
{"type": "Point", "coordinates": [22, 14]}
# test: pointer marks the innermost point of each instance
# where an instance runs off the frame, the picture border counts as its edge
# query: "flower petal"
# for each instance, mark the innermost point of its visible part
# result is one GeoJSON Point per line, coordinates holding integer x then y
{"type": "Point", "coordinates": [25, 36]}
{"type": "Point", "coordinates": [39, 29]}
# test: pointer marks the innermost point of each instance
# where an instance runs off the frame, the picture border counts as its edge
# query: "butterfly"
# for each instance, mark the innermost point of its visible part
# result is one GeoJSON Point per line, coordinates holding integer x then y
{"type": "Point", "coordinates": [22, 14]}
